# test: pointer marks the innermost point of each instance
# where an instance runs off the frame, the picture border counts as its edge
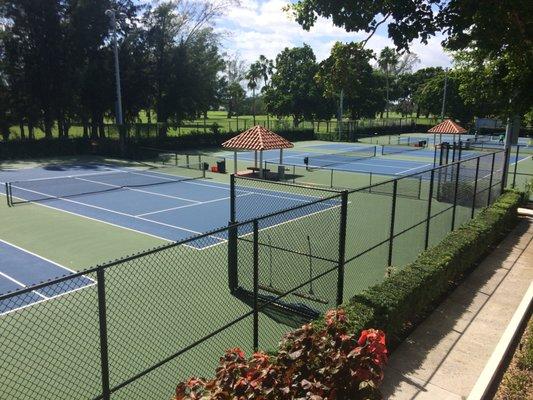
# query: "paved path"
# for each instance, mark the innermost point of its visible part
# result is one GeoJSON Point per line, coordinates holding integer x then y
{"type": "Point", "coordinates": [444, 356]}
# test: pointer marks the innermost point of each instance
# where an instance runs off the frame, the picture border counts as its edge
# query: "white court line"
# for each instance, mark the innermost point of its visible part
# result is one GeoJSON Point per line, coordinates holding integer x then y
{"type": "Point", "coordinates": [523, 159]}
{"type": "Point", "coordinates": [94, 219]}
{"type": "Point", "coordinates": [50, 178]}
{"type": "Point", "coordinates": [47, 299]}
{"type": "Point", "coordinates": [191, 205]}
{"type": "Point", "coordinates": [116, 212]}
{"type": "Point", "coordinates": [38, 256]}
{"type": "Point", "coordinates": [44, 298]}
{"type": "Point", "coordinates": [22, 285]}
{"type": "Point", "coordinates": [412, 169]}
{"type": "Point", "coordinates": [139, 190]}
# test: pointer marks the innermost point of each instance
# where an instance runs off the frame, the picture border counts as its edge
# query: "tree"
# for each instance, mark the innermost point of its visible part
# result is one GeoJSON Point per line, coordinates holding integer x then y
{"type": "Point", "coordinates": [261, 69]}
{"type": "Point", "coordinates": [32, 45]}
{"type": "Point", "coordinates": [173, 30]}
{"type": "Point", "coordinates": [253, 75]}
{"type": "Point", "coordinates": [495, 29]}
{"type": "Point", "coordinates": [487, 85]}
{"type": "Point", "coordinates": [235, 73]}
{"type": "Point", "coordinates": [348, 69]}
{"type": "Point", "coordinates": [430, 96]}
{"type": "Point", "coordinates": [293, 90]}
{"type": "Point", "coordinates": [388, 59]}
{"type": "Point", "coordinates": [235, 97]}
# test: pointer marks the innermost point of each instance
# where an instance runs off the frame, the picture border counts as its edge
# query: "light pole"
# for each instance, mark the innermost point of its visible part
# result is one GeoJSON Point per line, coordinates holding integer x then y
{"type": "Point", "coordinates": [444, 95]}
{"type": "Point", "coordinates": [112, 16]}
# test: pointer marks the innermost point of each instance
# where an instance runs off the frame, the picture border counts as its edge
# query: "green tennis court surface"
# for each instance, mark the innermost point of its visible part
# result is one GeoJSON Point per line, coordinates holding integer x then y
{"type": "Point", "coordinates": [160, 303]}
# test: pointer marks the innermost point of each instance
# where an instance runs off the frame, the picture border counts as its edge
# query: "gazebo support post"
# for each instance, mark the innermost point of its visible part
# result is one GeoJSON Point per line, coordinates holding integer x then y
{"type": "Point", "coordinates": [281, 156]}
{"type": "Point", "coordinates": [260, 164]}
{"type": "Point", "coordinates": [235, 162]}
{"type": "Point", "coordinates": [255, 159]}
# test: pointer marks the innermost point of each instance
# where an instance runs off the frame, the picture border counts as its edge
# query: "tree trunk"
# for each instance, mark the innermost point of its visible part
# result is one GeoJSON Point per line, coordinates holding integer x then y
{"type": "Point", "coordinates": [94, 128]}
{"type": "Point", "coordinates": [22, 133]}
{"type": "Point", "coordinates": [61, 125]}
{"type": "Point", "coordinates": [47, 125]}
{"type": "Point", "coordinates": [31, 129]}
{"type": "Point", "coordinates": [101, 126]}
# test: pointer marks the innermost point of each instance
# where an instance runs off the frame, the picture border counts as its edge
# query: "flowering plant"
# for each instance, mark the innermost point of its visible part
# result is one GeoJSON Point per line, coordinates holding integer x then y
{"type": "Point", "coordinates": [317, 364]}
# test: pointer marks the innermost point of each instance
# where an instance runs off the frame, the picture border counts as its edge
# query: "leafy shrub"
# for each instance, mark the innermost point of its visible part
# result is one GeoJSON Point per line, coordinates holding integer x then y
{"type": "Point", "coordinates": [312, 363]}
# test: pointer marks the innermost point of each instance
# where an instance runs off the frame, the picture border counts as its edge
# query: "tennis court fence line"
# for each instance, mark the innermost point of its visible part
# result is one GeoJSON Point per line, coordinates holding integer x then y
{"type": "Point", "coordinates": [168, 313]}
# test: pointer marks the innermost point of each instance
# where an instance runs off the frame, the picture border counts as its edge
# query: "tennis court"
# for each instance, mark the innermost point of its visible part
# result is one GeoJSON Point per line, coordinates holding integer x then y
{"type": "Point", "coordinates": [164, 205]}
{"type": "Point", "coordinates": [360, 159]}
{"type": "Point", "coordinates": [21, 268]}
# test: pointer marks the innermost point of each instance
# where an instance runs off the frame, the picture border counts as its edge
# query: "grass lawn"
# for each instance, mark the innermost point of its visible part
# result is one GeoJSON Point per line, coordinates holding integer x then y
{"type": "Point", "coordinates": [517, 382]}
{"type": "Point", "coordinates": [240, 123]}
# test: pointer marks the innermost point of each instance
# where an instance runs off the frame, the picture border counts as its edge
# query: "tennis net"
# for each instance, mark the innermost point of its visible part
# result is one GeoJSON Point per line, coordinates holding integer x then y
{"type": "Point", "coordinates": [37, 190]}
{"type": "Point", "coordinates": [326, 160]}
{"type": "Point", "coordinates": [385, 150]}
{"type": "Point", "coordinates": [170, 157]}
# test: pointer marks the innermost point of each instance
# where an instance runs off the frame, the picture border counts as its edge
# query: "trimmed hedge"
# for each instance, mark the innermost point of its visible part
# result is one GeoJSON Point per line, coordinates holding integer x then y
{"type": "Point", "coordinates": [407, 295]}
{"type": "Point", "coordinates": [20, 149]}
{"type": "Point", "coordinates": [372, 131]}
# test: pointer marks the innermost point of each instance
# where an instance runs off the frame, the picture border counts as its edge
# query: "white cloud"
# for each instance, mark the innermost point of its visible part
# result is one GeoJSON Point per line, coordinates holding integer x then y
{"type": "Point", "coordinates": [262, 27]}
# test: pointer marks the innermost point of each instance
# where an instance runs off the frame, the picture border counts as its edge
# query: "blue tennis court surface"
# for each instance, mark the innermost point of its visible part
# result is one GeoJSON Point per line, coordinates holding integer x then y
{"type": "Point", "coordinates": [154, 203]}
{"type": "Point", "coordinates": [20, 269]}
{"type": "Point", "coordinates": [378, 165]}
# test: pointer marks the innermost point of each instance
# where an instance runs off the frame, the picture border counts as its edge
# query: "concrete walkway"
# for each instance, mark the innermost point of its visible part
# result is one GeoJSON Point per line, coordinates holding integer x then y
{"type": "Point", "coordinates": [444, 356]}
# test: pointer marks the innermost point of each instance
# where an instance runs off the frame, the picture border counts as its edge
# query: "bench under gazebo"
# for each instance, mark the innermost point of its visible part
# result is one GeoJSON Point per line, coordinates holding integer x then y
{"type": "Point", "coordinates": [257, 139]}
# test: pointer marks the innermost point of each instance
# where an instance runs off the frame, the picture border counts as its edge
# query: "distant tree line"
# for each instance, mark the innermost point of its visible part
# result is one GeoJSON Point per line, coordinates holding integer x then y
{"type": "Point", "coordinates": [56, 63]}
{"type": "Point", "coordinates": [56, 66]}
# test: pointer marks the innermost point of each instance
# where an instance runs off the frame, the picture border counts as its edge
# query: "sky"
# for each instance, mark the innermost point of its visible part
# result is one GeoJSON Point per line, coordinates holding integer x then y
{"type": "Point", "coordinates": [262, 27]}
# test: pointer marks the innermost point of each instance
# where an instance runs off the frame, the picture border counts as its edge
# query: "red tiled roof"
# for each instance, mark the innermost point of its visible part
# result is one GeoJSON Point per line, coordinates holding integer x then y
{"type": "Point", "coordinates": [257, 138]}
{"type": "Point", "coordinates": [448, 126]}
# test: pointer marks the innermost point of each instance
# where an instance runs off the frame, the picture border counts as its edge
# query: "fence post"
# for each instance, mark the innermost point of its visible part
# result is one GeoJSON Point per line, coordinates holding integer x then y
{"type": "Point", "coordinates": [430, 201]}
{"type": "Point", "coordinates": [256, 284]}
{"type": "Point", "coordinates": [475, 189]}
{"type": "Point", "coordinates": [392, 220]}
{"type": "Point", "coordinates": [342, 247]}
{"type": "Point", "coordinates": [102, 318]}
{"type": "Point", "coordinates": [515, 166]}
{"type": "Point", "coordinates": [331, 181]}
{"type": "Point", "coordinates": [491, 177]}
{"type": "Point", "coordinates": [232, 214]}
{"type": "Point", "coordinates": [455, 193]}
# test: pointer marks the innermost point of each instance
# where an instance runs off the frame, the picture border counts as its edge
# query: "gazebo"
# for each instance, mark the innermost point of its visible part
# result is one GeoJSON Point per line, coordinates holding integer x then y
{"type": "Point", "coordinates": [257, 139]}
{"type": "Point", "coordinates": [447, 126]}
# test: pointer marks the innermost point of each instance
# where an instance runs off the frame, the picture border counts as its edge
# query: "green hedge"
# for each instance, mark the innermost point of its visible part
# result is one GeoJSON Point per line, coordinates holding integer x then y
{"type": "Point", "coordinates": [20, 149]}
{"type": "Point", "coordinates": [372, 131]}
{"type": "Point", "coordinates": [407, 295]}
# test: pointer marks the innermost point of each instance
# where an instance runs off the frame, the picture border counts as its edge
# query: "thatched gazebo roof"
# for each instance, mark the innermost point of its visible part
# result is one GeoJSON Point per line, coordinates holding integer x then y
{"type": "Point", "coordinates": [256, 139]}
{"type": "Point", "coordinates": [448, 126]}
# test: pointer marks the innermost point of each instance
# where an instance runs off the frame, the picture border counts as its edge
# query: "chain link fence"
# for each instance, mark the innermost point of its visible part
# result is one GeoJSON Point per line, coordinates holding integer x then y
{"type": "Point", "coordinates": [134, 327]}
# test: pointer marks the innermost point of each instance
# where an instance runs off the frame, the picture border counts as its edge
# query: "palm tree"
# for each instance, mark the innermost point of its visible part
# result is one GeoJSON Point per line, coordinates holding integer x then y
{"type": "Point", "coordinates": [253, 75]}
{"type": "Point", "coordinates": [387, 58]}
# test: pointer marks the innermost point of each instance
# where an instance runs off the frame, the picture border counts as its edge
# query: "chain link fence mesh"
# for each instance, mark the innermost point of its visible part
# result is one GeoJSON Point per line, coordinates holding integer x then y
{"type": "Point", "coordinates": [290, 253]}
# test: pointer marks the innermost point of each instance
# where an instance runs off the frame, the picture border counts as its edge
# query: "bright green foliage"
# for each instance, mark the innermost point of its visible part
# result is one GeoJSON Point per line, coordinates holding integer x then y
{"type": "Point", "coordinates": [348, 69]}
{"type": "Point", "coordinates": [429, 97]}
{"type": "Point", "coordinates": [500, 32]}
{"type": "Point", "coordinates": [293, 89]}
